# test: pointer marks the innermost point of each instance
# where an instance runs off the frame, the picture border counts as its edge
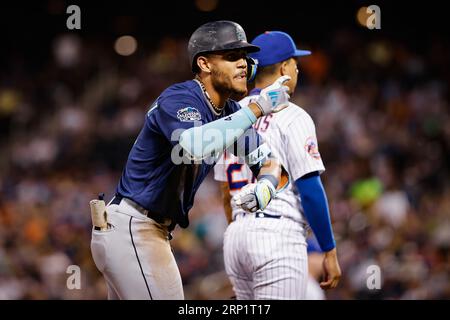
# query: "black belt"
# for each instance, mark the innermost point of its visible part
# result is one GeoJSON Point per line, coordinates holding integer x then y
{"type": "Point", "coordinates": [261, 215]}
{"type": "Point", "coordinates": [152, 215]}
{"type": "Point", "coordinates": [266, 215]}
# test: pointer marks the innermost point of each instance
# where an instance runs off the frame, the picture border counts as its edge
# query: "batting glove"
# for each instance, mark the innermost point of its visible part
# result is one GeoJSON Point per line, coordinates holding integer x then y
{"type": "Point", "coordinates": [255, 196]}
{"type": "Point", "coordinates": [273, 98]}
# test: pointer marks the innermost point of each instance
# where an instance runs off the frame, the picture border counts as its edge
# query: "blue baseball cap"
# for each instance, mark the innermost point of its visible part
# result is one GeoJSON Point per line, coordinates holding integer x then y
{"type": "Point", "coordinates": [276, 46]}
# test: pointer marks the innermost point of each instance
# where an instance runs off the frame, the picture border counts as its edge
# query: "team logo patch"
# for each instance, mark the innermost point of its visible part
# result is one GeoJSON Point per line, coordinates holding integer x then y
{"type": "Point", "coordinates": [312, 148]}
{"type": "Point", "coordinates": [189, 114]}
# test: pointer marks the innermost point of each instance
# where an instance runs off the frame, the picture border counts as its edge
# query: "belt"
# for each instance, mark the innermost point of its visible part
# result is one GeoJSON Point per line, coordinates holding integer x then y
{"type": "Point", "coordinates": [266, 215]}
{"type": "Point", "coordinates": [260, 215]}
{"type": "Point", "coordinates": [152, 215]}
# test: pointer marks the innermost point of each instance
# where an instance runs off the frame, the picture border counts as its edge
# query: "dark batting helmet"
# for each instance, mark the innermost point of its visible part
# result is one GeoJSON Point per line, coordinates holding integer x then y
{"type": "Point", "coordinates": [217, 36]}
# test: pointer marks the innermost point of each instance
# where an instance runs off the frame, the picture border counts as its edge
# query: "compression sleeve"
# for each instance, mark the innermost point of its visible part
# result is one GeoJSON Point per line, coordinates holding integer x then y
{"type": "Point", "coordinates": [315, 206]}
{"type": "Point", "coordinates": [215, 136]}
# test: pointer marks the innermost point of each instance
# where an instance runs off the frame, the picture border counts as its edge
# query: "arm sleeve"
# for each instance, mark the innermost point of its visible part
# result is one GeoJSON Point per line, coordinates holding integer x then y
{"type": "Point", "coordinates": [215, 136]}
{"type": "Point", "coordinates": [315, 206]}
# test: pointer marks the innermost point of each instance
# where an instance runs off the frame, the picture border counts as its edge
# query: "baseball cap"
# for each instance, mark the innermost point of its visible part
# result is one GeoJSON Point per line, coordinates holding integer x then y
{"type": "Point", "coordinates": [276, 46]}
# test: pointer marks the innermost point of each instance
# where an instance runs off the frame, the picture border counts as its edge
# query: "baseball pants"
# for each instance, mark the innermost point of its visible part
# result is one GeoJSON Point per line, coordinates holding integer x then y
{"type": "Point", "coordinates": [135, 256]}
{"type": "Point", "coordinates": [266, 258]}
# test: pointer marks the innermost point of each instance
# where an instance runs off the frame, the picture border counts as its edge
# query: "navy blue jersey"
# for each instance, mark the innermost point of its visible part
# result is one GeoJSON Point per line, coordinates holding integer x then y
{"type": "Point", "coordinates": [150, 177]}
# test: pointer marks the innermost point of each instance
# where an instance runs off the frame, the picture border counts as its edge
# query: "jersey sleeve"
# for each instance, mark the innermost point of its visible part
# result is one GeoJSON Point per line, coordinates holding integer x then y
{"type": "Point", "coordinates": [175, 114]}
{"type": "Point", "coordinates": [302, 154]}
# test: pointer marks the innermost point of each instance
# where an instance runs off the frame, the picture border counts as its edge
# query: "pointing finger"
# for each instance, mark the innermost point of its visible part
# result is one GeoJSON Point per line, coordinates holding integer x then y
{"type": "Point", "coordinates": [281, 80]}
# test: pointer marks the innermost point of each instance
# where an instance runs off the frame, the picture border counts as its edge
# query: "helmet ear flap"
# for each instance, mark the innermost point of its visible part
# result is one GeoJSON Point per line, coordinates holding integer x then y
{"type": "Point", "coordinates": [252, 66]}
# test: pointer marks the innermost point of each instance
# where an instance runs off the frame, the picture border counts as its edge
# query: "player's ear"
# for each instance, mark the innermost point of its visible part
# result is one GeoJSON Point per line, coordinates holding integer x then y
{"type": "Point", "coordinates": [203, 64]}
{"type": "Point", "coordinates": [284, 68]}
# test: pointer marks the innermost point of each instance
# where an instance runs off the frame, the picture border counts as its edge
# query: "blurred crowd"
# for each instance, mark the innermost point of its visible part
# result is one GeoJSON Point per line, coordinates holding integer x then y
{"type": "Point", "coordinates": [381, 108]}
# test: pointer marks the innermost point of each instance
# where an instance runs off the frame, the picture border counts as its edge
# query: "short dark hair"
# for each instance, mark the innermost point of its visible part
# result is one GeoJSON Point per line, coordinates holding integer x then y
{"type": "Point", "coordinates": [195, 68]}
{"type": "Point", "coordinates": [268, 70]}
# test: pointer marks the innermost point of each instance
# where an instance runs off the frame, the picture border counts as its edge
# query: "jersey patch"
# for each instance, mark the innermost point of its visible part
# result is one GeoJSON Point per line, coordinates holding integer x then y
{"type": "Point", "coordinates": [312, 148]}
{"type": "Point", "coordinates": [189, 114]}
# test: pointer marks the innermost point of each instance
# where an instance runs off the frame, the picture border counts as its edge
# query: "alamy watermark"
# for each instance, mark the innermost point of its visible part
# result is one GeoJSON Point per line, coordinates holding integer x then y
{"type": "Point", "coordinates": [373, 281]}
{"type": "Point", "coordinates": [374, 20]}
{"type": "Point", "coordinates": [74, 20]}
{"type": "Point", "coordinates": [74, 279]}
{"type": "Point", "coordinates": [204, 141]}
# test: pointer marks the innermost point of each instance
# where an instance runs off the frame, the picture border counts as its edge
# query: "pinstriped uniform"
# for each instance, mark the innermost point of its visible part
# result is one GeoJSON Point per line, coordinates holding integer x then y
{"type": "Point", "coordinates": [266, 258]}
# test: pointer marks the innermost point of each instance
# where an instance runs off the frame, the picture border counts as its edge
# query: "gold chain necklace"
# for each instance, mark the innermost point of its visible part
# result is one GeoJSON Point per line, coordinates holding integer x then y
{"type": "Point", "coordinates": [216, 109]}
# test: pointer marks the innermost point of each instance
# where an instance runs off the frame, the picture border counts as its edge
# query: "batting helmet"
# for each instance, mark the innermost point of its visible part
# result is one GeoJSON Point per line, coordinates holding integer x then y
{"type": "Point", "coordinates": [217, 36]}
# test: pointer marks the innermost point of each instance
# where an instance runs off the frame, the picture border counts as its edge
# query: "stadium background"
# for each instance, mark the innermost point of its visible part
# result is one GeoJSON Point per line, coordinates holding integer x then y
{"type": "Point", "coordinates": [72, 103]}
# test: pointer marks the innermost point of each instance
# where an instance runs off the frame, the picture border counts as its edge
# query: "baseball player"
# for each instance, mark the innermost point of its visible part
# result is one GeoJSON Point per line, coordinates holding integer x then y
{"type": "Point", "coordinates": [265, 251]}
{"type": "Point", "coordinates": [185, 131]}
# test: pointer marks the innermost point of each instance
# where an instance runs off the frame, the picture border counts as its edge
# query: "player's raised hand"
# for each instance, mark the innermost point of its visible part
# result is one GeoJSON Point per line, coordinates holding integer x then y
{"type": "Point", "coordinates": [331, 269]}
{"type": "Point", "coordinates": [255, 196]}
{"type": "Point", "coordinates": [275, 97]}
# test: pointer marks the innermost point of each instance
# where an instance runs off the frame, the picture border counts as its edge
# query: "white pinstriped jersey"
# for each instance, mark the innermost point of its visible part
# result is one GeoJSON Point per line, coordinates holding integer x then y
{"type": "Point", "coordinates": [291, 136]}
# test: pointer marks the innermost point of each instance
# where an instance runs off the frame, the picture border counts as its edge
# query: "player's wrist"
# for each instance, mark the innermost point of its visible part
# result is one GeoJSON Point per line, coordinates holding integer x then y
{"type": "Point", "coordinates": [269, 179]}
{"type": "Point", "coordinates": [256, 109]}
{"type": "Point", "coordinates": [332, 252]}
{"type": "Point", "coordinates": [263, 103]}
